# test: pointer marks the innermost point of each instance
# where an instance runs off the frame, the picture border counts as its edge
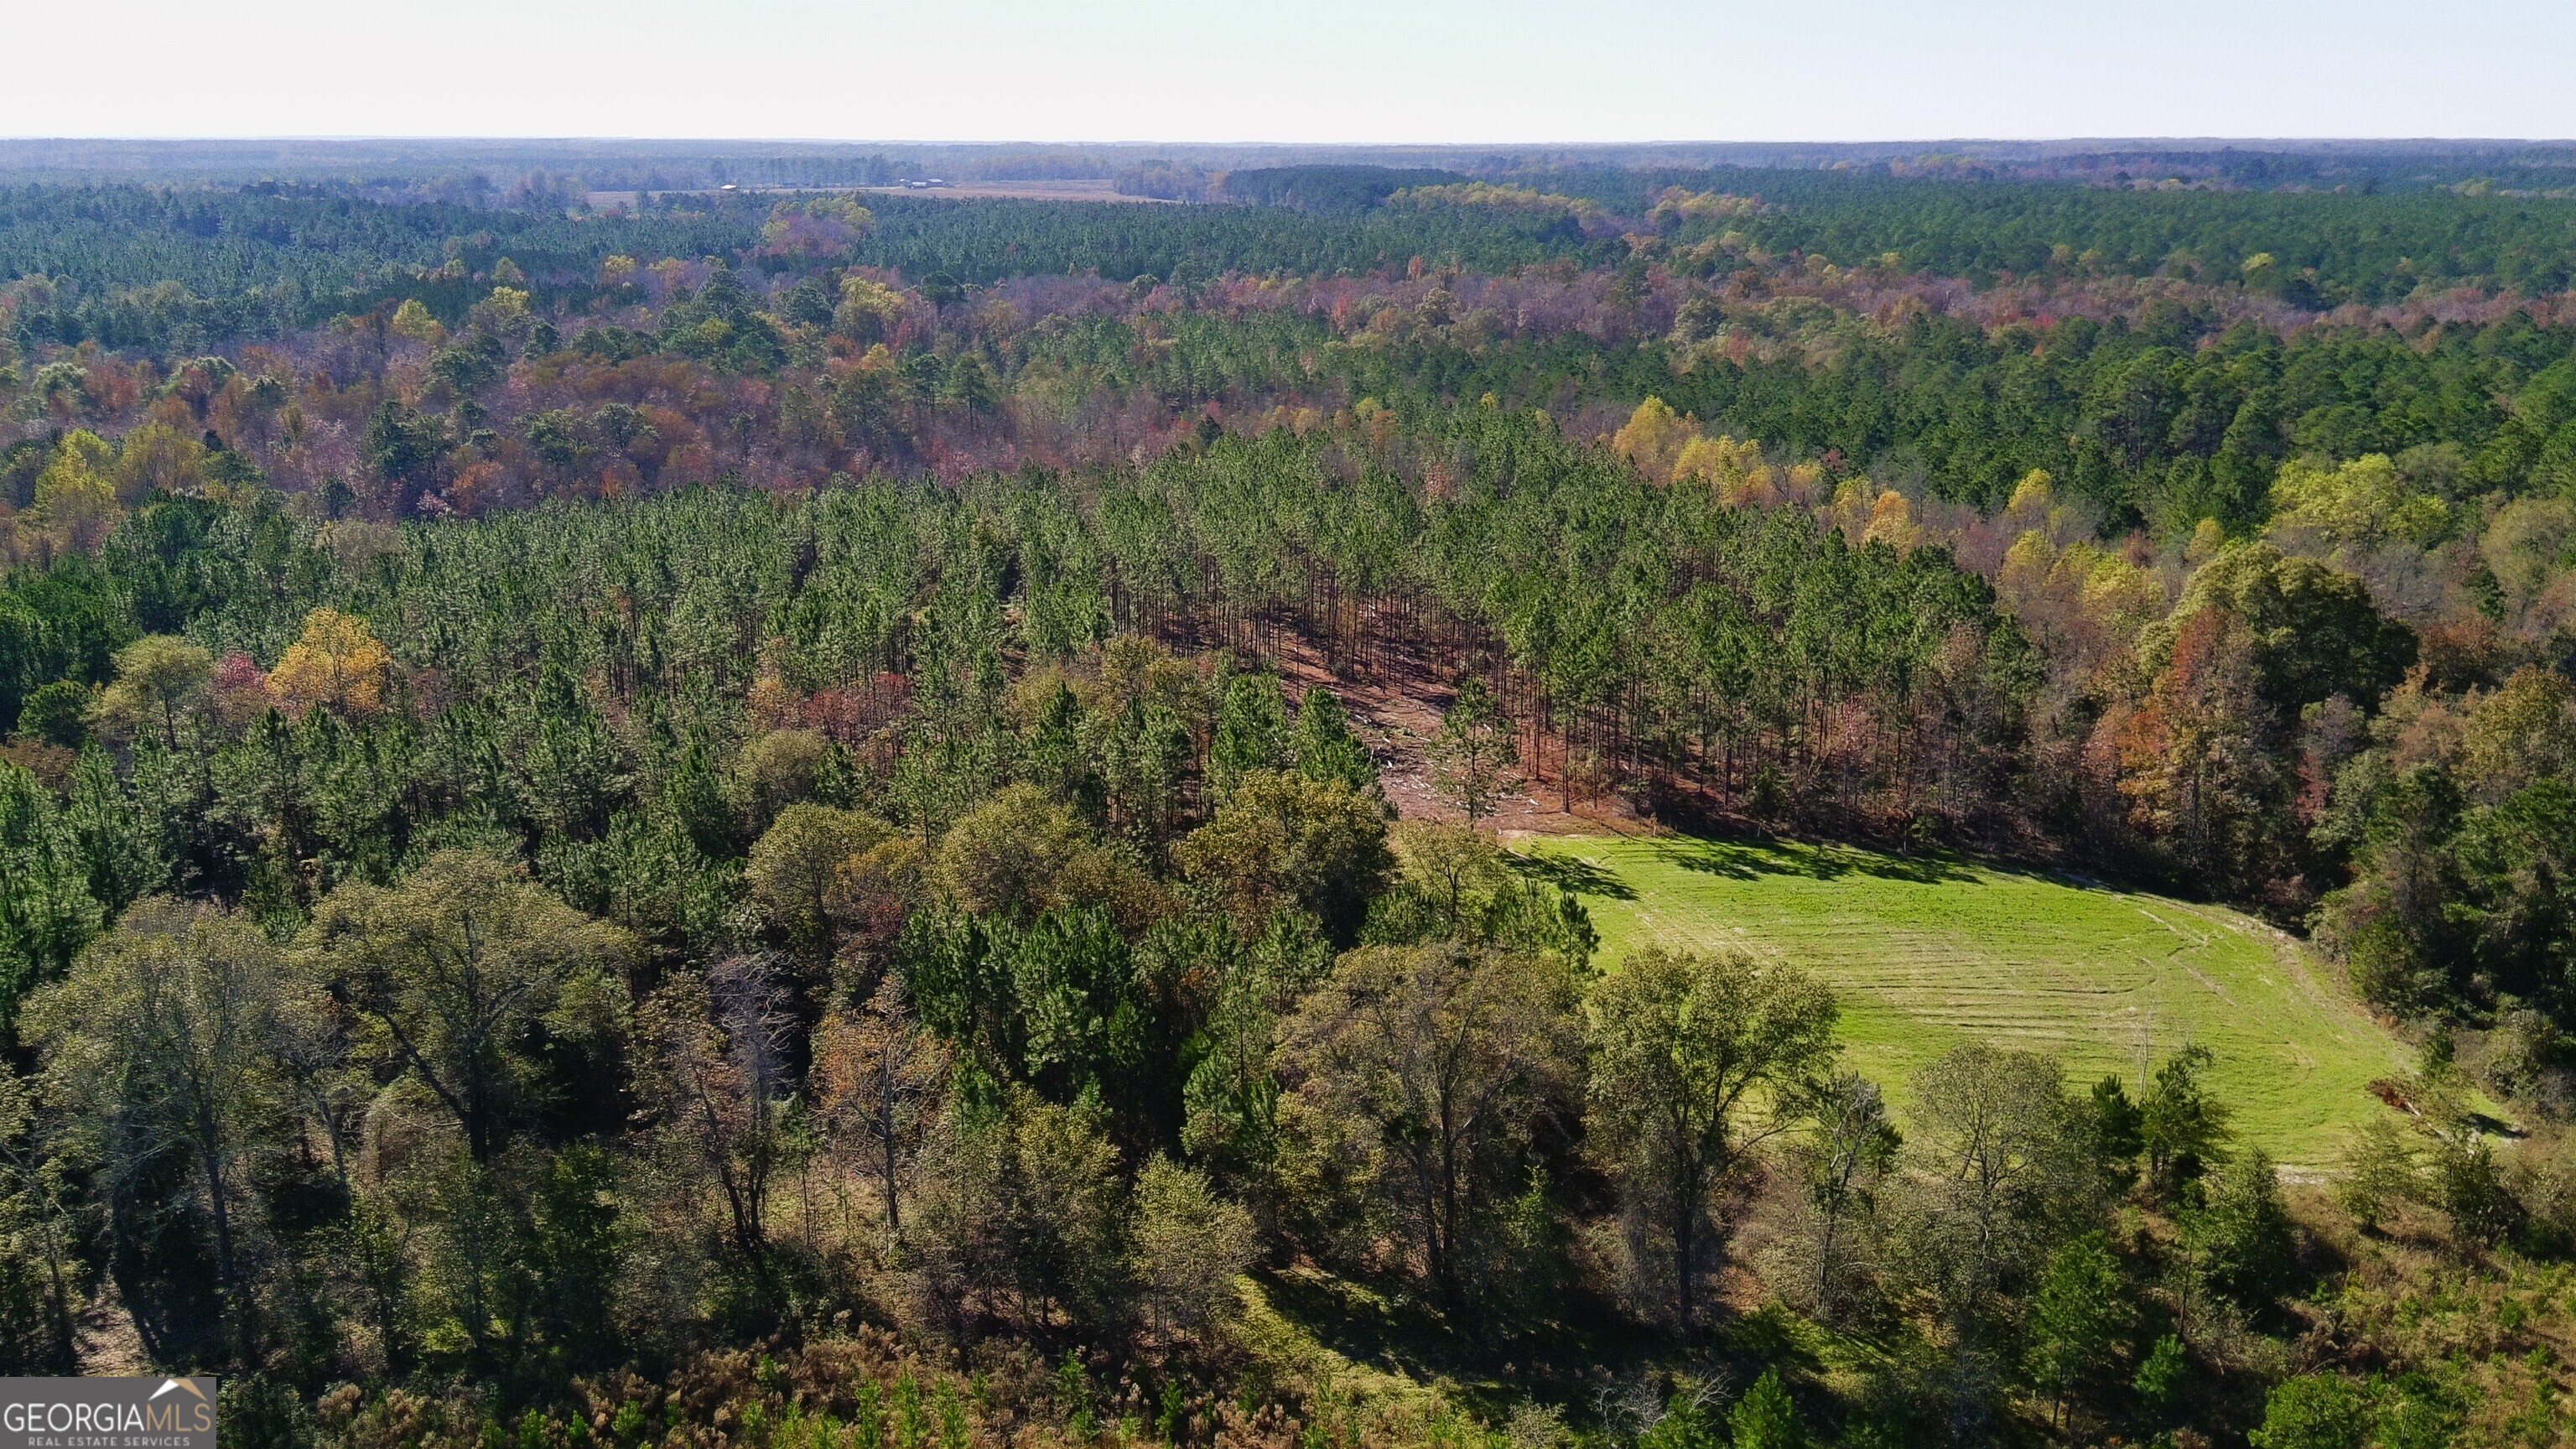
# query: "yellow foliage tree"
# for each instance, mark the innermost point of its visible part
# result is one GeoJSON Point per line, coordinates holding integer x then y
{"type": "Point", "coordinates": [2034, 501]}
{"type": "Point", "coordinates": [158, 458]}
{"type": "Point", "coordinates": [1891, 521]}
{"type": "Point", "coordinates": [2083, 603]}
{"type": "Point", "coordinates": [506, 304]}
{"type": "Point", "coordinates": [412, 320]}
{"type": "Point", "coordinates": [1676, 202]}
{"type": "Point", "coordinates": [1849, 512]}
{"type": "Point", "coordinates": [2207, 538]}
{"type": "Point", "coordinates": [1735, 469]}
{"type": "Point", "coordinates": [868, 311]}
{"type": "Point", "coordinates": [75, 501]}
{"type": "Point", "coordinates": [1500, 198]}
{"type": "Point", "coordinates": [158, 678]}
{"type": "Point", "coordinates": [338, 664]}
{"type": "Point", "coordinates": [2359, 506]}
{"type": "Point", "coordinates": [2521, 546]}
{"type": "Point", "coordinates": [1654, 437]}
{"type": "Point", "coordinates": [2519, 735]}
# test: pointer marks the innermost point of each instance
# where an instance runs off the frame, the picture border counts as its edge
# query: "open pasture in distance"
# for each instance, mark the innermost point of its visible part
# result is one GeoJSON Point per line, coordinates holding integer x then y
{"type": "Point", "coordinates": [1074, 190]}
{"type": "Point", "coordinates": [1926, 953]}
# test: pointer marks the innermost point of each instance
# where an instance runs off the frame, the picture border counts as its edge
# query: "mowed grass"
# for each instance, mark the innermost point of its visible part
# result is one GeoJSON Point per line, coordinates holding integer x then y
{"type": "Point", "coordinates": [1928, 953]}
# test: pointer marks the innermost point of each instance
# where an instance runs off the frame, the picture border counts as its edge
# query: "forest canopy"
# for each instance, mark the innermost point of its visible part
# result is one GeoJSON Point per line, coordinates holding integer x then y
{"type": "Point", "coordinates": [807, 809]}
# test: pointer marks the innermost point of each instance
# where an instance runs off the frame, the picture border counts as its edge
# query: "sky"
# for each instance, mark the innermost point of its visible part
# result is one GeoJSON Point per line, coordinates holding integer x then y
{"type": "Point", "coordinates": [1424, 71]}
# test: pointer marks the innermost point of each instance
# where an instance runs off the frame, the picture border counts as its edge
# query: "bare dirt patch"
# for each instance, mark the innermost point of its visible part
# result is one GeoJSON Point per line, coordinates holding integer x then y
{"type": "Point", "coordinates": [1396, 712]}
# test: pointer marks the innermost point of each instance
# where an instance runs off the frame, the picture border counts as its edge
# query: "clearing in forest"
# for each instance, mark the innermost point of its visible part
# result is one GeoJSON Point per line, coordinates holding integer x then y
{"type": "Point", "coordinates": [1928, 952]}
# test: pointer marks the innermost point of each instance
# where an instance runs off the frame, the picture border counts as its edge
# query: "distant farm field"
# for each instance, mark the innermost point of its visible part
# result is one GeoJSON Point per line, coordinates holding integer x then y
{"type": "Point", "coordinates": [1926, 954]}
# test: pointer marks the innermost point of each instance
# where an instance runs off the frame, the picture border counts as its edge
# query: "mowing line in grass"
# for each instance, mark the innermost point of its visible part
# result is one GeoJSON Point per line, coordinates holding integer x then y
{"type": "Point", "coordinates": [1929, 952]}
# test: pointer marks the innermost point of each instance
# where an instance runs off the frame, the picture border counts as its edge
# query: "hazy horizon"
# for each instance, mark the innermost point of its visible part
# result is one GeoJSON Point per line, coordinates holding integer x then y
{"type": "Point", "coordinates": [1508, 74]}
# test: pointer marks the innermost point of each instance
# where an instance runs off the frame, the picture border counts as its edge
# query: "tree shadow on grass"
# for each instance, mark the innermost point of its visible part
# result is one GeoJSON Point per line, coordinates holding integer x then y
{"type": "Point", "coordinates": [1381, 1325]}
{"type": "Point", "coordinates": [1813, 860]}
{"type": "Point", "coordinates": [1574, 876]}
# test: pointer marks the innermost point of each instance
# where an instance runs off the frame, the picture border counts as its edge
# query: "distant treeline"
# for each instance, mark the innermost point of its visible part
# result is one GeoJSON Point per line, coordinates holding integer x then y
{"type": "Point", "coordinates": [158, 268]}
{"type": "Point", "coordinates": [213, 264]}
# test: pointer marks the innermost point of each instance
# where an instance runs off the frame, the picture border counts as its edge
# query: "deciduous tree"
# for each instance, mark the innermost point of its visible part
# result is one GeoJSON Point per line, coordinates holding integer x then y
{"type": "Point", "coordinates": [336, 663]}
{"type": "Point", "coordinates": [1695, 1059]}
{"type": "Point", "coordinates": [464, 977]}
{"type": "Point", "coordinates": [159, 678]}
{"type": "Point", "coordinates": [1287, 840]}
{"type": "Point", "coordinates": [163, 1044]}
{"type": "Point", "coordinates": [878, 1082]}
{"type": "Point", "coordinates": [1188, 1245]}
{"type": "Point", "coordinates": [1442, 1060]}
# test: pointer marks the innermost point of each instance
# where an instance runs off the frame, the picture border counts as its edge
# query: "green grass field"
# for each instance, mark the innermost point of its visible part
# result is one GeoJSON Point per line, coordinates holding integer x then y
{"type": "Point", "coordinates": [1929, 953]}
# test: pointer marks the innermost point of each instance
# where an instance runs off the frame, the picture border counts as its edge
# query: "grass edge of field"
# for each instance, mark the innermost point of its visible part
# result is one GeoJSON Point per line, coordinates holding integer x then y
{"type": "Point", "coordinates": [2304, 1130]}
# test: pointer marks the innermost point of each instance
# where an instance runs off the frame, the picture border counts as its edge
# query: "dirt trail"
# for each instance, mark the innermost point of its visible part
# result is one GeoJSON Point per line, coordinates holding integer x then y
{"type": "Point", "coordinates": [106, 1339]}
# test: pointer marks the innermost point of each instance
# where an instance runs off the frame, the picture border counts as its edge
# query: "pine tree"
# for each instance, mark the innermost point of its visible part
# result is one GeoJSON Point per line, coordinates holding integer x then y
{"type": "Point", "coordinates": [1251, 732]}
{"type": "Point", "coordinates": [1766, 1417]}
{"type": "Point", "coordinates": [1473, 755]}
{"type": "Point", "coordinates": [1323, 745]}
{"type": "Point", "coordinates": [2076, 1319]}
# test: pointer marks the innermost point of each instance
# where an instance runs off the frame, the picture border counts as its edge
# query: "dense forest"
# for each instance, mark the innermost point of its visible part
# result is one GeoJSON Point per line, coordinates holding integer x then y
{"type": "Point", "coordinates": [741, 818]}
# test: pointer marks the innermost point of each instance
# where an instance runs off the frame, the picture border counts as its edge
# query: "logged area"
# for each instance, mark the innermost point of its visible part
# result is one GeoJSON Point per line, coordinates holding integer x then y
{"type": "Point", "coordinates": [1927, 953]}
